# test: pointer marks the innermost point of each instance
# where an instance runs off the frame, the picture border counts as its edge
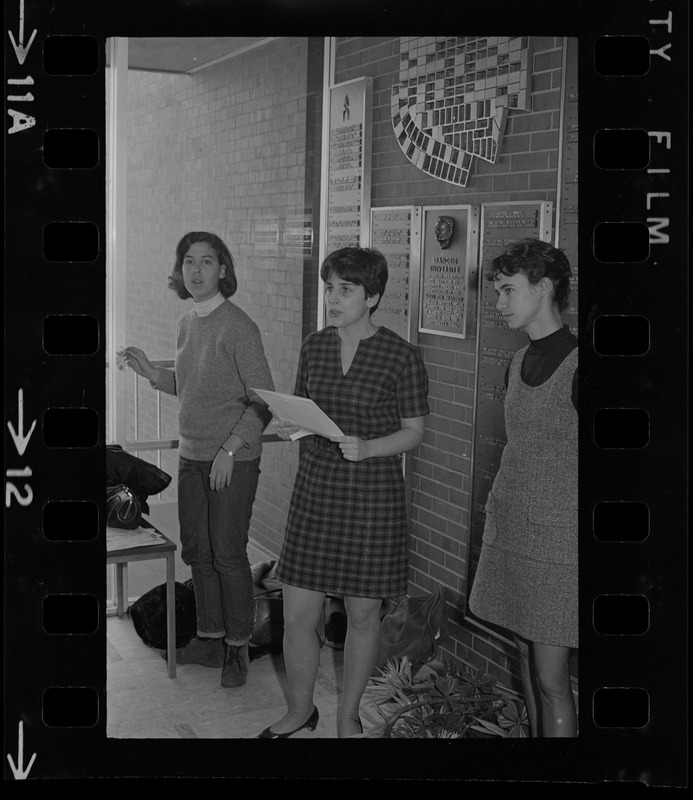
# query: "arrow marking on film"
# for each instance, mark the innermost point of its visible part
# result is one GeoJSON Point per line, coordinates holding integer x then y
{"type": "Point", "coordinates": [20, 440]}
{"type": "Point", "coordinates": [18, 770]}
{"type": "Point", "coordinates": [19, 49]}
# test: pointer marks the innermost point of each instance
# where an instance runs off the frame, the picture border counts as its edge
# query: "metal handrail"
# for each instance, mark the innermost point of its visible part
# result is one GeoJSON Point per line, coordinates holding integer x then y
{"type": "Point", "coordinates": [172, 444]}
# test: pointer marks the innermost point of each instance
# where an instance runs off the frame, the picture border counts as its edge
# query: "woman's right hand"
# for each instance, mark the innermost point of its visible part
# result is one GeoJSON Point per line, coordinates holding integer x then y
{"type": "Point", "coordinates": [284, 429]}
{"type": "Point", "coordinates": [138, 361]}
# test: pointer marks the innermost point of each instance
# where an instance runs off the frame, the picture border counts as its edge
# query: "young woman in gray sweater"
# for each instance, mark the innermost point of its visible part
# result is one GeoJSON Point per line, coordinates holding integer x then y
{"type": "Point", "coordinates": [219, 356]}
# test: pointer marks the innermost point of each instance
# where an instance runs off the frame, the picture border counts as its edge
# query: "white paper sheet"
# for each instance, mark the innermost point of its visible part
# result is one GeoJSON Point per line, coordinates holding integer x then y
{"type": "Point", "coordinates": [120, 539]}
{"type": "Point", "coordinates": [303, 412]}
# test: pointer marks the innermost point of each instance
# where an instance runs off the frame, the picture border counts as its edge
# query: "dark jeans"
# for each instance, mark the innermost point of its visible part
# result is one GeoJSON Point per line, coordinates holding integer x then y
{"type": "Point", "coordinates": [214, 538]}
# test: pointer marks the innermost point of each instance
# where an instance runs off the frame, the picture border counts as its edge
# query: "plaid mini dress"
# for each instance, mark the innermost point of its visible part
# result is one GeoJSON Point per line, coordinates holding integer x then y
{"type": "Point", "coordinates": [346, 532]}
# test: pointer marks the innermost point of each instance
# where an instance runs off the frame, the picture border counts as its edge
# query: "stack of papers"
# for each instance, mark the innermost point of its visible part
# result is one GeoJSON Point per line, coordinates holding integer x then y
{"type": "Point", "coordinates": [119, 539]}
{"type": "Point", "coordinates": [303, 412]}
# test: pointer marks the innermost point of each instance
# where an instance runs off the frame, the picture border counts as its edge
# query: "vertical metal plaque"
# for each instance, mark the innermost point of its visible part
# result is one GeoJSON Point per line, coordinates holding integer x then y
{"type": "Point", "coordinates": [298, 236]}
{"type": "Point", "coordinates": [396, 233]}
{"type": "Point", "coordinates": [449, 268]}
{"type": "Point", "coordinates": [567, 203]}
{"type": "Point", "coordinates": [349, 183]}
{"type": "Point", "coordinates": [501, 225]}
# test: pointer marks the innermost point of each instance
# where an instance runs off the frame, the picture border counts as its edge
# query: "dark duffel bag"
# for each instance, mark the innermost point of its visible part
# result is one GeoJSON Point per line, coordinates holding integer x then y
{"type": "Point", "coordinates": [148, 614]}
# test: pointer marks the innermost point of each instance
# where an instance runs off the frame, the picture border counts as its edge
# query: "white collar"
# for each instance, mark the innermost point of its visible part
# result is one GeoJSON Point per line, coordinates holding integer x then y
{"type": "Point", "coordinates": [207, 306]}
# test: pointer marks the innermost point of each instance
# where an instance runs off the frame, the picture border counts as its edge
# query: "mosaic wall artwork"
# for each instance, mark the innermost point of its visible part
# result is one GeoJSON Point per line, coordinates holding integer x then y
{"type": "Point", "coordinates": [452, 99]}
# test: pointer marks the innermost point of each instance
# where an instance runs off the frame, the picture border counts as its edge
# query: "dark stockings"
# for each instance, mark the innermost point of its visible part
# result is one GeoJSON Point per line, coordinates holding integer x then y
{"type": "Point", "coordinates": [545, 672]}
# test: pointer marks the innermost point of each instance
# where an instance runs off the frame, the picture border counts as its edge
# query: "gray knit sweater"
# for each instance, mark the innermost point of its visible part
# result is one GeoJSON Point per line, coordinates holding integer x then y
{"type": "Point", "coordinates": [219, 357]}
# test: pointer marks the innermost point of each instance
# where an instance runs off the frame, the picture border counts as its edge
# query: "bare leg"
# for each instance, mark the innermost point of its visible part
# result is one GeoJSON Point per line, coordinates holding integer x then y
{"type": "Point", "coordinates": [552, 670]}
{"type": "Point", "coordinates": [360, 654]}
{"type": "Point", "coordinates": [302, 610]}
{"type": "Point", "coordinates": [526, 673]}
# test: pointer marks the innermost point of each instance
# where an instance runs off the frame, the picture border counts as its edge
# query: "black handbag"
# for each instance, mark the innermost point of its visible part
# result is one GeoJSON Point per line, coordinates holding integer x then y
{"type": "Point", "coordinates": [143, 478]}
{"type": "Point", "coordinates": [122, 508]}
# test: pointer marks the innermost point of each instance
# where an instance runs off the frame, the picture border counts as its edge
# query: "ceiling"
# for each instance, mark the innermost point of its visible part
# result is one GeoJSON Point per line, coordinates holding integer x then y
{"type": "Point", "coordinates": [187, 54]}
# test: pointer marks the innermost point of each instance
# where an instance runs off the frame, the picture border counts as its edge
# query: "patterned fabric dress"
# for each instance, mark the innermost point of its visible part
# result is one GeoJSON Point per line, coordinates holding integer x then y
{"type": "Point", "coordinates": [527, 577]}
{"type": "Point", "coordinates": [347, 526]}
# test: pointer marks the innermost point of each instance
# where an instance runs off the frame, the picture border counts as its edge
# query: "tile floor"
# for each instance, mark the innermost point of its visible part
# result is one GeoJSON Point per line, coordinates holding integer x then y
{"type": "Point", "coordinates": [143, 702]}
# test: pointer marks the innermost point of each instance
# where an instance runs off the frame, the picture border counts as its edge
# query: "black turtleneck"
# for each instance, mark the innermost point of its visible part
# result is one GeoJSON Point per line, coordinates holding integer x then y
{"type": "Point", "coordinates": [544, 356]}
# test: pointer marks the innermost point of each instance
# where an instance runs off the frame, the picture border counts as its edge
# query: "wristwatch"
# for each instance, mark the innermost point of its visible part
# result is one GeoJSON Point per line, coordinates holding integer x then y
{"type": "Point", "coordinates": [229, 453]}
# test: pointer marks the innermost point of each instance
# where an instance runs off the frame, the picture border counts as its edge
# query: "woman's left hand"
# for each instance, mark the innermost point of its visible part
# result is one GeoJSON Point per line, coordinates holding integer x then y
{"type": "Point", "coordinates": [353, 448]}
{"type": "Point", "coordinates": [221, 472]}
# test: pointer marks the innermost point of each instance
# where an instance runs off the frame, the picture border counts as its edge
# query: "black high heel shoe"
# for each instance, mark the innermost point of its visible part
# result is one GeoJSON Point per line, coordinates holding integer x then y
{"type": "Point", "coordinates": [311, 723]}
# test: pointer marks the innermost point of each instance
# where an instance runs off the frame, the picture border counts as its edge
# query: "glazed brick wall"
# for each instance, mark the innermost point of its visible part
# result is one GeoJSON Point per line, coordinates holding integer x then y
{"type": "Point", "coordinates": [225, 150]}
{"type": "Point", "coordinates": [441, 467]}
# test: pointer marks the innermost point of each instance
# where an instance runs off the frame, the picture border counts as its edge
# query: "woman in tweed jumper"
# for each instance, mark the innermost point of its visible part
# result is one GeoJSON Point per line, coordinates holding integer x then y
{"type": "Point", "coordinates": [526, 580]}
{"type": "Point", "coordinates": [219, 356]}
{"type": "Point", "coordinates": [347, 526]}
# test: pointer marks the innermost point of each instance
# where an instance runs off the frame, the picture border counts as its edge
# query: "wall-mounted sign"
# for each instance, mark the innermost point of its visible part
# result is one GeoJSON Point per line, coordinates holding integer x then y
{"type": "Point", "coordinates": [452, 98]}
{"type": "Point", "coordinates": [299, 233]}
{"type": "Point", "coordinates": [567, 202]}
{"type": "Point", "coordinates": [266, 236]}
{"type": "Point", "coordinates": [348, 182]}
{"type": "Point", "coordinates": [447, 294]}
{"type": "Point", "coordinates": [396, 233]}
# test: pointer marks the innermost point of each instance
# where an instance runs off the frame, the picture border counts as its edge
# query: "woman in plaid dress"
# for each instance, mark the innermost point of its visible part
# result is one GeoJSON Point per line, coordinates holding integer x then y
{"type": "Point", "coordinates": [347, 527]}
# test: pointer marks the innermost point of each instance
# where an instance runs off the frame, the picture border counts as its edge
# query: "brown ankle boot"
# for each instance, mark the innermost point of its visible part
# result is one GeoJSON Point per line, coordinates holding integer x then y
{"type": "Point", "coordinates": [207, 652]}
{"type": "Point", "coordinates": [235, 672]}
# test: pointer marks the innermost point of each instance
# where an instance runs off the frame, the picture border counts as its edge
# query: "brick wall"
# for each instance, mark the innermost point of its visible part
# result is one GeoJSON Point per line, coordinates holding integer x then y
{"type": "Point", "coordinates": [525, 170]}
{"type": "Point", "coordinates": [229, 149]}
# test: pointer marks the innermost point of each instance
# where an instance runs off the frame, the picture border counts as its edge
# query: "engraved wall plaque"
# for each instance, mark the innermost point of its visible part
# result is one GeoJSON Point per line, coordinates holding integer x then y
{"type": "Point", "coordinates": [449, 268]}
{"type": "Point", "coordinates": [348, 193]}
{"type": "Point", "coordinates": [396, 233]}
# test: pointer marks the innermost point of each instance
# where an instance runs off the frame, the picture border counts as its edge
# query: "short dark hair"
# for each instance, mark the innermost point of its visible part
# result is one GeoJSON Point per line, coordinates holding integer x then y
{"type": "Point", "coordinates": [536, 260]}
{"type": "Point", "coordinates": [227, 285]}
{"type": "Point", "coordinates": [360, 266]}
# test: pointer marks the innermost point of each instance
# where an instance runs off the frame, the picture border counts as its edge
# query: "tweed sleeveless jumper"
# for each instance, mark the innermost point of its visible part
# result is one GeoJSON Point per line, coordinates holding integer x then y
{"type": "Point", "coordinates": [527, 577]}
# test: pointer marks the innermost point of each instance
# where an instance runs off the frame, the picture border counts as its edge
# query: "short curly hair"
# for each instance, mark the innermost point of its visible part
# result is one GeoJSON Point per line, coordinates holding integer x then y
{"type": "Point", "coordinates": [535, 259]}
{"type": "Point", "coordinates": [227, 285]}
{"type": "Point", "coordinates": [358, 265]}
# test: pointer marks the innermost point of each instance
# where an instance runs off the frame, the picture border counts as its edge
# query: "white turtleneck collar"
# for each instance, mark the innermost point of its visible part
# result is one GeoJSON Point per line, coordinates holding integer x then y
{"type": "Point", "coordinates": [207, 306]}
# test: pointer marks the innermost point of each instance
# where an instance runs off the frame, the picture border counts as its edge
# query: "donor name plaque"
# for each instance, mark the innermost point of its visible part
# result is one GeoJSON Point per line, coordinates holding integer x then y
{"type": "Point", "coordinates": [449, 270]}
{"type": "Point", "coordinates": [396, 233]}
{"type": "Point", "coordinates": [348, 168]}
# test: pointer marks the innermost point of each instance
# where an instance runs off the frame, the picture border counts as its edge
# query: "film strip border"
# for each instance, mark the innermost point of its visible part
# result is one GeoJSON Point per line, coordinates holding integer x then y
{"type": "Point", "coordinates": [628, 444]}
{"type": "Point", "coordinates": [633, 309]}
{"type": "Point", "coordinates": [55, 252]}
